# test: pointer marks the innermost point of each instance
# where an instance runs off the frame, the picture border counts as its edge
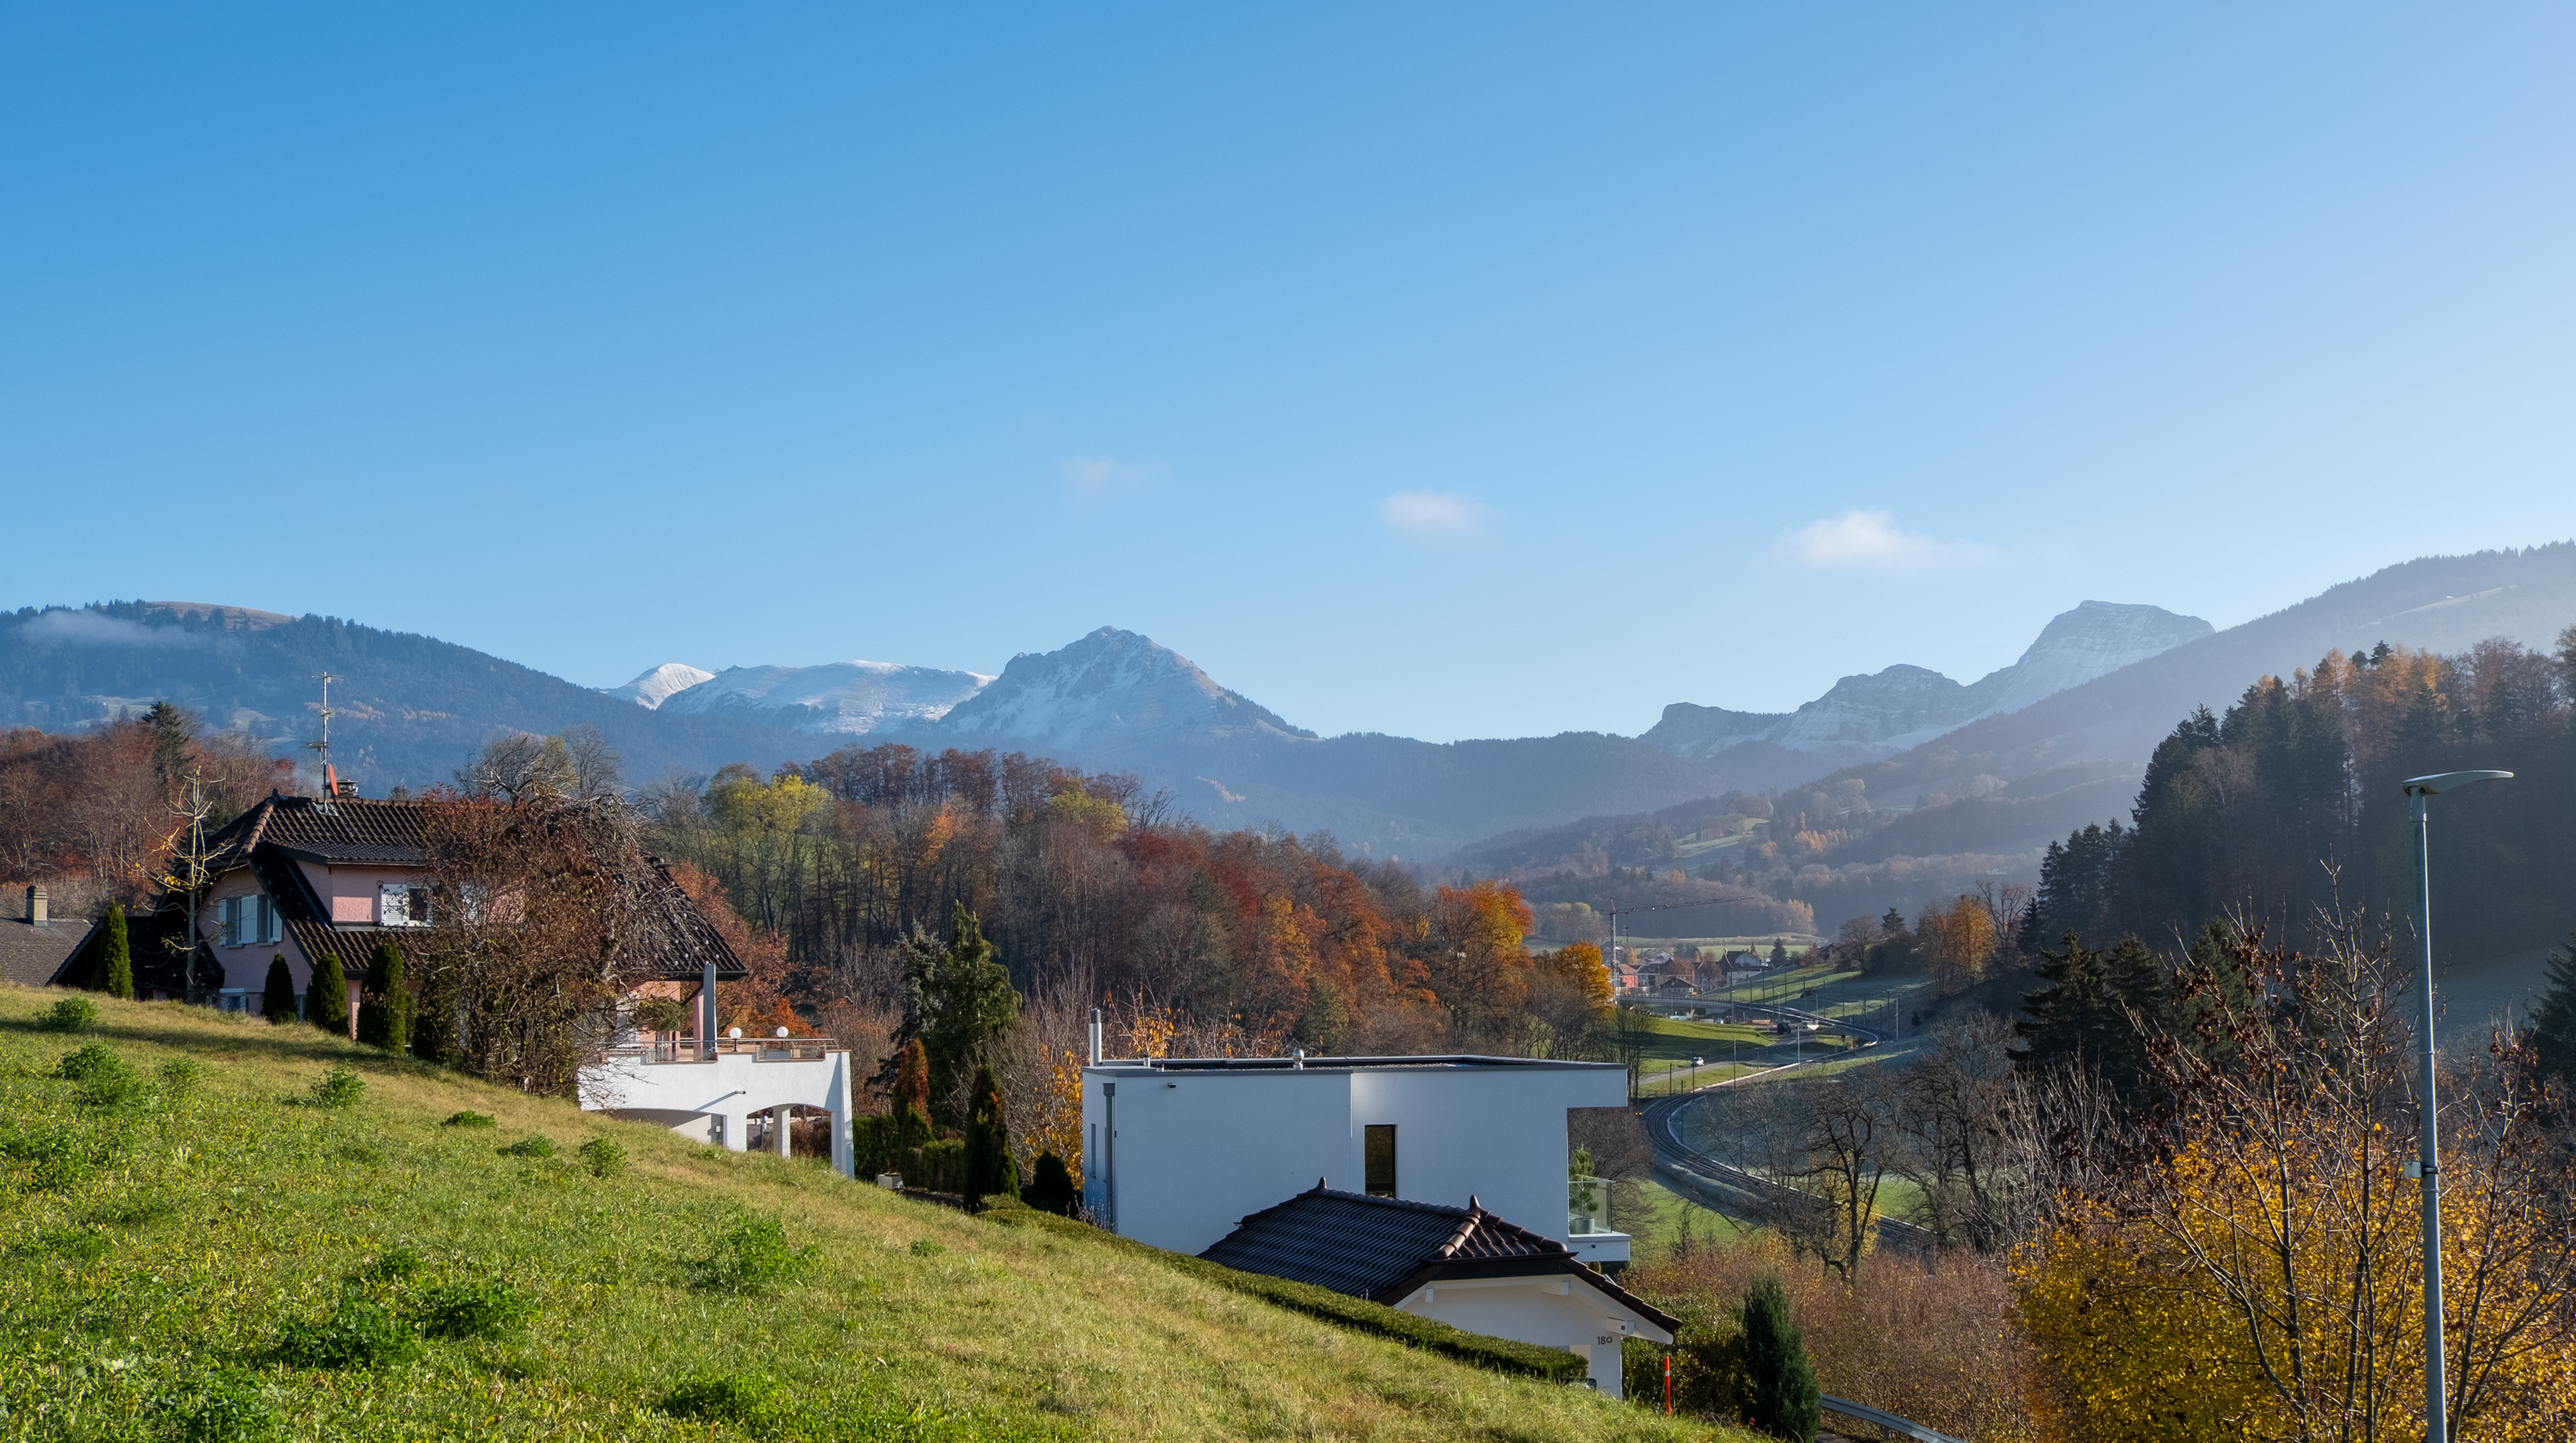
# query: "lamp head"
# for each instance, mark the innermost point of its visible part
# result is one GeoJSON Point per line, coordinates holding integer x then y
{"type": "Point", "coordinates": [2440, 782]}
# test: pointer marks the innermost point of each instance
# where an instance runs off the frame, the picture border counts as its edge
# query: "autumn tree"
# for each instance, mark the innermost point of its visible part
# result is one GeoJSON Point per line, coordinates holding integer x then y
{"type": "Point", "coordinates": [542, 912]}
{"type": "Point", "coordinates": [2248, 1267]}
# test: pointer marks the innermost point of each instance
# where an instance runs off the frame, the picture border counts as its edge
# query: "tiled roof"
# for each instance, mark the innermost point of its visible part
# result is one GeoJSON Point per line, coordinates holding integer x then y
{"type": "Point", "coordinates": [1384, 1248]}
{"type": "Point", "coordinates": [376, 831]}
{"type": "Point", "coordinates": [157, 968]}
{"type": "Point", "coordinates": [29, 953]}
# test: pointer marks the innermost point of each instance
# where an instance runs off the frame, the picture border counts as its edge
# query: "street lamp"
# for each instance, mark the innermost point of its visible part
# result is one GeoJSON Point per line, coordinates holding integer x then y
{"type": "Point", "coordinates": [2428, 1161]}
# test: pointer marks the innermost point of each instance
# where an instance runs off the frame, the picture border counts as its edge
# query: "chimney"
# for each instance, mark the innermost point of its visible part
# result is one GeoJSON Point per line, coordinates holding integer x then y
{"type": "Point", "coordinates": [36, 907]}
{"type": "Point", "coordinates": [348, 789]}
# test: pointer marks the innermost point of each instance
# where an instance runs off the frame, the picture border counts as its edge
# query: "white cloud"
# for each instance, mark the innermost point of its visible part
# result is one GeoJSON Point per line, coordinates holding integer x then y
{"type": "Point", "coordinates": [1101, 475]}
{"type": "Point", "coordinates": [1433, 513]}
{"type": "Point", "coordinates": [1870, 541]}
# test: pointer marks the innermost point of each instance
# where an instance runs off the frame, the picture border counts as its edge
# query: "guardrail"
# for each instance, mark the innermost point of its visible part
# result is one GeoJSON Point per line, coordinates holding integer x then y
{"type": "Point", "coordinates": [1844, 1407]}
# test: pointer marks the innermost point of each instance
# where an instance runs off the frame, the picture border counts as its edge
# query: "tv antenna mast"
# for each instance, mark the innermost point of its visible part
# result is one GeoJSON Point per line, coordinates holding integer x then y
{"type": "Point", "coordinates": [330, 778]}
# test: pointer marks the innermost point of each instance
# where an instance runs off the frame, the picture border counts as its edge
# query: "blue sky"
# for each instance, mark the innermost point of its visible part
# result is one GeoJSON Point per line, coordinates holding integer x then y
{"type": "Point", "coordinates": [1461, 371]}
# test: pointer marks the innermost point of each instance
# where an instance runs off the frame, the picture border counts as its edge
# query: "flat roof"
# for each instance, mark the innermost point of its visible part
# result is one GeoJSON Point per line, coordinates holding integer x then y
{"type": "Point", "coordinates": [1460, 1062]}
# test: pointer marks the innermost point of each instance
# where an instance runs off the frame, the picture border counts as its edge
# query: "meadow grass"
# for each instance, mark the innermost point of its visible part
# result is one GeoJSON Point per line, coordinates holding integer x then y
{"type": "Point", "coordinates": [220, 1241]}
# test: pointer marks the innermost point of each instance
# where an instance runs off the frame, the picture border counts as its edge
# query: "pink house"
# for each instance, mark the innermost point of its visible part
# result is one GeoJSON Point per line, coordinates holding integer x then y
{"type": "Point", "coordinates": [304, 878]}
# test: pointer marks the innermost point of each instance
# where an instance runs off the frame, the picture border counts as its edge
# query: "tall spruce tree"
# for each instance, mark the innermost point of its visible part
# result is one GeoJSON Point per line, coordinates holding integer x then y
{"type": "Point", "coordinates": [116, 958]}
{"type": "Point", "coordinates": [1781, 1397]}
{"type": "Point", "coordinates": [326, 1000]}
{"type": "Point", "coordinates": [990, 1172]}
{"type": "Point", "coordinates": [277, 999]}
{"type": "Point", "coordinates": [956, 998]}
{"type": "Point", "coordinates": [2097, 1010]}
{"type": "Point", "coordinates": [384, 1014]}
{"type": "Point", "coordinates": [2553, 1021]}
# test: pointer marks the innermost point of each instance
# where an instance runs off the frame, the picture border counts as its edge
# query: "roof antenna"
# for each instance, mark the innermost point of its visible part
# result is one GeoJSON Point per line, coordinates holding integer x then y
{"type": "Point", "coordinates": [330, 778]}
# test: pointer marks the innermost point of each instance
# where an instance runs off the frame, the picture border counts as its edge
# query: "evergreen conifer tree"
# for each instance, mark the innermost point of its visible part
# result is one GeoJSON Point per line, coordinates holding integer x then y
{"type": "Point", "coordinates": [115, 958]}
{"type": "Point", "coordinates": [912, 1095]}
{"type": "Point", "coordinates": [2553, 1021]}
{"type": "Point", "coordinates": [326, 1001]}
{"type": "Point", "coordinates": [277, 1000]}
{"type": "Point", "coordinates": [990, 1172]}
{"type": "Point", "coordinates": [1780, 1384]}
{"type": "Point", "coordinates": [384, 1015]}
{"type": "Point", "coordinates": [1051, 1186]}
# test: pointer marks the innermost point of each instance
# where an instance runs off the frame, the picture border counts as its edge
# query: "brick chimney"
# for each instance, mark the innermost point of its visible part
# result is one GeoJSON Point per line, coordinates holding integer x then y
{"type": "Point", "coordinates": [36, 907]}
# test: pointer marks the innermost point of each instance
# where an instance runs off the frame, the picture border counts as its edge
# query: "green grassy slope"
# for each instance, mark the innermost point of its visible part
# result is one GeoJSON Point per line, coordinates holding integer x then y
{"type": "Point", "coordinates": [157, 1252]}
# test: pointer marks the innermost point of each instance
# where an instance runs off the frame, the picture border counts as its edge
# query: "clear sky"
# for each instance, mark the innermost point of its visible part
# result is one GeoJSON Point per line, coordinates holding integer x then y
{"type": "Point", "coordinates": [1453, 372]}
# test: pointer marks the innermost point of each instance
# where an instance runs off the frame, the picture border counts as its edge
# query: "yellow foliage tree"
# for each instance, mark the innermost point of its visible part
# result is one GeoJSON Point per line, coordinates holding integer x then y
{"type": "Point", "coordinates": [2250, 1268]}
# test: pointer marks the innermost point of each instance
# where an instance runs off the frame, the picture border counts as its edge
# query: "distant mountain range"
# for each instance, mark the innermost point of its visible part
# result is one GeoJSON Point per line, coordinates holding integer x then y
{"type": "Point", "coordinates": [2085, 703]}
{"type": "Point", "coordinates": [1863, 718]}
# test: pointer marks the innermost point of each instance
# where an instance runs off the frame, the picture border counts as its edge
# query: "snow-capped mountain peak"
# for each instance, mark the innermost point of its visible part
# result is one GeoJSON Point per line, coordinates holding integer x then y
{"type": "Point", "coordinates": [1106, 695]}
{"type": "Point", "coordinates": [659, 684]}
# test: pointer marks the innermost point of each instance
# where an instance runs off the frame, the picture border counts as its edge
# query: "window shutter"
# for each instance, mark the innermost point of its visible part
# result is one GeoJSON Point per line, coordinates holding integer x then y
{"type": "Point", "coordinates": [267, 914]}
{"type": "Point", "coordinates": [228, 921]}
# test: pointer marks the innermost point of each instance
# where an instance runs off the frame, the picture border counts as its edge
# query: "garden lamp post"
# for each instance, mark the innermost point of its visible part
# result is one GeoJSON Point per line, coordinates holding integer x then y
{"type": "Point", "coordinates": [2428, 1159]}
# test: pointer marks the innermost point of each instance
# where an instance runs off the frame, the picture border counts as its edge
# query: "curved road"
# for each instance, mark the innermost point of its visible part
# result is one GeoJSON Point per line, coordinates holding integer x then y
{"type": "Point", "coordinates": [1729, 1189]}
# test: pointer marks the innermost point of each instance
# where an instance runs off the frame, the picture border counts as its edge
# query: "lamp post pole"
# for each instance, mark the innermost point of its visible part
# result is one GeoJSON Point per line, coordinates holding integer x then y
{"type": "Point", "coordinates": [2428, 1157]}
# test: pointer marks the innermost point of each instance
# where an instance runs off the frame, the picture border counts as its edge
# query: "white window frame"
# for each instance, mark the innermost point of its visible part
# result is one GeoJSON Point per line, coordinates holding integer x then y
{"type": "Point", "coordinates": [268, 928]}
{"type": "Point", "coordinates": [388, 914]}
{"type": "Point", "coordinates": [228, 921]}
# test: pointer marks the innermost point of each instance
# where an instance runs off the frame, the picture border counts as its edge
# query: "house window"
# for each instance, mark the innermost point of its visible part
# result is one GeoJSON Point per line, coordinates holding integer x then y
{"type": "Point", "coordinates": [246, 921]}
{"type": "Point", "coordinates": [1378, 1153]}
{"type": "Point", "coordinates": [402, 904]}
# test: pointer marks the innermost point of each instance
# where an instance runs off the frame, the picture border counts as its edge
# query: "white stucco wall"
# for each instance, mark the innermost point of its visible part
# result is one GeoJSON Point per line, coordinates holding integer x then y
{"type": "Point", "coordinates": [1195, 1152]}
{"type": "Point", "coordinates": [686, 1096]}
{"type": "Point", "coordinates": [1553, 1311]}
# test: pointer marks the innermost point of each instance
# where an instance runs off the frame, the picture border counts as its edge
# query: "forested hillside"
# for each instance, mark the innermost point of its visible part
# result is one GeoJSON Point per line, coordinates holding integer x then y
{"type": "Point", "coordinates": [412, 708]}
{"type": "Point", "coordinates": [2289, 802]}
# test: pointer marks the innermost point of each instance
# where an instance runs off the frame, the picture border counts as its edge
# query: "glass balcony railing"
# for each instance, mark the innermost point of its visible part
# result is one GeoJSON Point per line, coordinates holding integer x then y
{"type": "Point", "coordinates": [1587, 1206]}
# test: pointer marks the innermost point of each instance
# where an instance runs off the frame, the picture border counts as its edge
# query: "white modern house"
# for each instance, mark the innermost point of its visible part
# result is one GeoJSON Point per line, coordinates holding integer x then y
{"type": "Point", "coordinates": [714, 1092]}
{"type": "Point", "coordinates": [1179, 1151]}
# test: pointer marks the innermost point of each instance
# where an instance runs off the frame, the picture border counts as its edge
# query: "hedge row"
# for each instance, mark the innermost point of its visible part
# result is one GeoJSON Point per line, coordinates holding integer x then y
{"type": "Point", "coordinates": [1475, 1349]}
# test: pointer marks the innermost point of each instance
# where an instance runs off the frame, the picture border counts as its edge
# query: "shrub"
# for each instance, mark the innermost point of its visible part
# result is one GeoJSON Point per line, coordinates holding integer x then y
{"type": "Point", "coordinates": [476, 1309]}
{"type": "Point", "coordinates": [1051, 1187]}
{"type": "Point", "coordinates": [356, 1334]}
{"type": "Point", "coordinates": [986, 1164]}
{"type": "Point", "coordinates": [1780, 1386]}
{"type": "Point", "coordinates": [338, 1088]}
{"type": "Point", "coordinates": [56, 1157]}
{"type": "Point", "coordinates": [105, 1078]}
{"type": "Point", "coordinates": [277, 999]}
{"type": "Point", "coordinates": [384, 1017]}
{"type": "Point", "coordinates": [752, 1257]}
{"type": "Point", "coordinates": [539, 1146]}
{"type": "Point", "coordinates": [180, 1076]}
{"type": "Point", "coordinates": [218, 1407]}
{"type": "Point", "coordinates": [469, 1119]}
{"type": "Point", "coordinates": [72, 1014]}
{"type": "Point", "coordinates": [746, 1400]}
{"type": "Point", "coordinates": [115, 959]}
{"type": "Point", "coordinates": [391, 1265]}
{"type": "Point", "coordinates": [605, 1157]}
{"type": "Point", "coordinates": [939, 1166]}
{"type": "Point", "coordinates": [326, 1001]}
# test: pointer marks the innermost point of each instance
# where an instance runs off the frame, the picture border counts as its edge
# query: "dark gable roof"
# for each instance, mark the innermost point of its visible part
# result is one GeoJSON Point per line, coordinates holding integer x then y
{"type": "Point", "coordinates": [1384, 1248]}
{"type": "Point", "coordinates": [158, 968]}
{"type": "Point", "coordinates": [29, 954]}
{"type": "Point", "coordinates": [343, 829]}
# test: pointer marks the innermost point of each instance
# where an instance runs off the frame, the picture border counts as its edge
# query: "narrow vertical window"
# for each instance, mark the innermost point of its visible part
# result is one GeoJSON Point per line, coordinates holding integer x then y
{"type": "Point", "coordinates": [1379, 1154]}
